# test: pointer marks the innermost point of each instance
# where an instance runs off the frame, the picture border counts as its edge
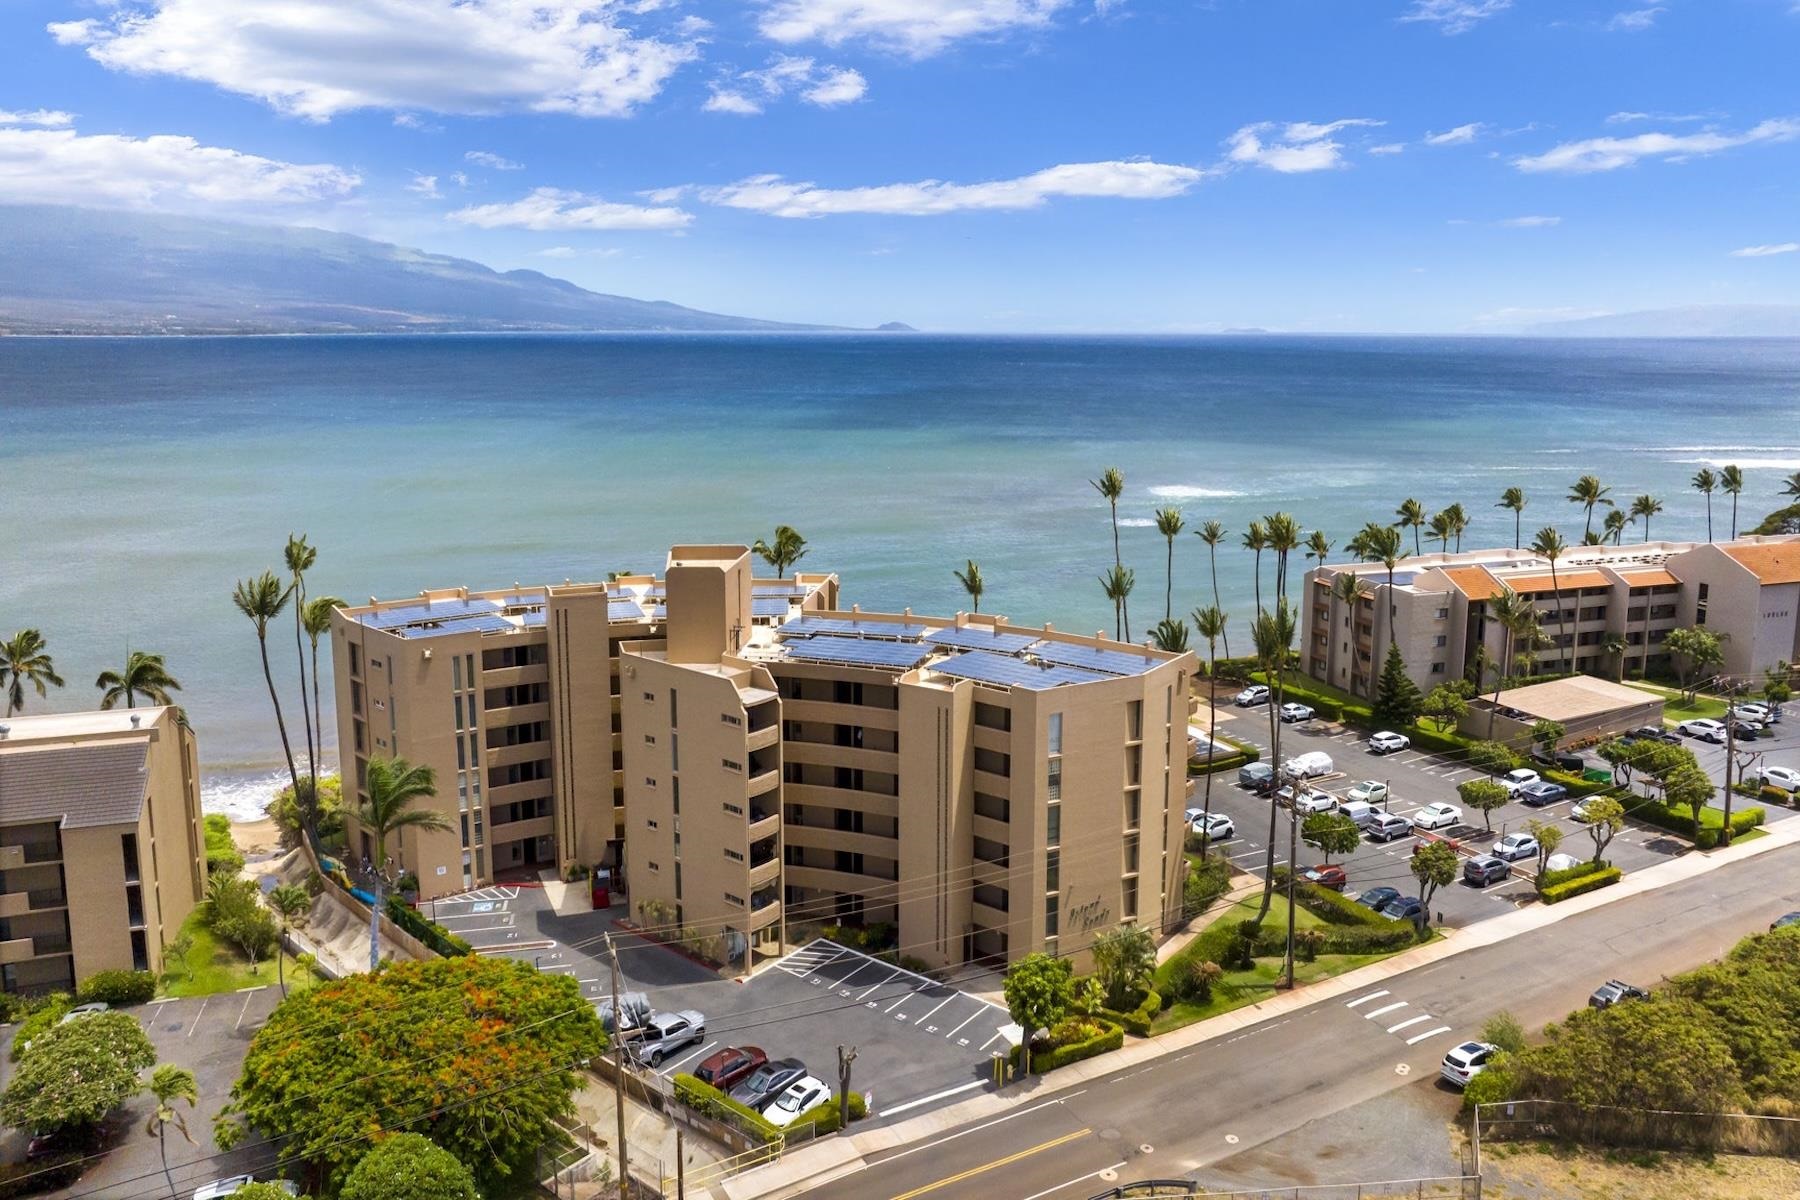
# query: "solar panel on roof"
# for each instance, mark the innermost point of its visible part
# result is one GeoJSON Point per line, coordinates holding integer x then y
{"type": "Point", "coordinates": [437, 610]}
{"type": "Point", "coordinates": [536, 616]}
{"type": "Point", "coordinates": [769, 606]}
{"type": "Point", "coordinates": [987, 667]}
{"type": "Point", "coordinates": [624, 610]}
{"type": "Point", "coordinates": [482, 623]}
{"type": "Point", "coordinates": [846, 627]}
{"type": "Point", "coordinates": [855, 652]}
{"type": "Point", "coordinates": [778, 589]}
{"type": "Point", "coordinates": [1112, 662]}
{"type": "Point", "coordinates": [515, 599]}
{"type": "Point", "coordinates": [982, 637]}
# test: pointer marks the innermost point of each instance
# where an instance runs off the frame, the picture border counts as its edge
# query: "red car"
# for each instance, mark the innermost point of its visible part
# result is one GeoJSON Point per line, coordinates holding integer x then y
{"type": "Point", "coordinates": [730, 1065]}
{"type": "Point", "coordinates": [1326, 876]}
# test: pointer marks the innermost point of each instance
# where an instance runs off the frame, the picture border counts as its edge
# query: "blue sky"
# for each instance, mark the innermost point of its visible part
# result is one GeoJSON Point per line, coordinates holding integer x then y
{"type": "Point", "coordinates": [986, 165]}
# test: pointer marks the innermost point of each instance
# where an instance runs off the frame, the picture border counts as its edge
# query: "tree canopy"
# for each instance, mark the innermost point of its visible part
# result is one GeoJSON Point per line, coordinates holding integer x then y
{"type": "Point", "coordinates": [1484, 796]}
{"type": "Point", "coordinates": [1038, 990]}
{"type": "Point", "coordinates": [1397, 699]}
{"type": "Point", "coordinates": [1330, 833]}
{"type": "Point", "coordinates": [76, 1073]}
{"type": "Point", "coordinates": [1124, 961]}
{"type": "Point", "coordinates": [480, 1055]}
{"type": "Point", "coordinates": [409, 1167]}
{"type": "Point", "coordinates": [1444, 707]}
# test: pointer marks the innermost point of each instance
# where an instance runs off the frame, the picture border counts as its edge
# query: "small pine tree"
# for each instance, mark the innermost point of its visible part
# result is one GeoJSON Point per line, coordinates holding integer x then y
{"type": "Point", "coordinates": [1397, 698]}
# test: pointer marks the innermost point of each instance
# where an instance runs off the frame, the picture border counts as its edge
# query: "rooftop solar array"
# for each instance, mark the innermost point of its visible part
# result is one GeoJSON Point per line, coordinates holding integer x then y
{"type": "Point", "coordinates": [855, 652]}
{"type": "Point", "coordinates": [987, 667]}
{"type": "Point", "coordinates": [517, 599]}
{"type": "Point", "coordinates": [480, 623]}
{"type": "Point", "coordinates": [437, 610]}
{"type": "Point", "coordinates": [769, 606]}
{"type": "Point", "coordinates": [982, 637]}
{"type": "Point", "coordinates": [845, 627]}
{"type": "Point", "coordinates": [779, 589]}
{"type": "Point", "coordinates": [624, 610]}
{"type": "Point", "coordinates": [536, 616]}
{"type": "Point", "coordinates": [1112, 662]}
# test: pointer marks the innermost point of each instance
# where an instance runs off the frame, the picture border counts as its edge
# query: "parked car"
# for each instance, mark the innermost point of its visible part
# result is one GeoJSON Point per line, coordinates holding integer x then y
{"type": "Point", "coordinates": [1369, 791]}
{"type": "Point", "coordinates": [1561, 862]}
{"type": "Point", "coordinates": [1748, 730]}
{"type": "Point", "coordinates": [1308, 800]}
{"type": "Point", "coordinates": [1377, 897]}
{"type": "Point", "coordinates": [1360, 812]}
{"type": "Point", "coordinates": [1479, 872]}
{"type": "Point", "coordinates": [728, 1067]}
{"type": "Point", "coordinates": [1466, 1061]}
{"type": "Point", "coordinates": [1216, 827]}
{"type": "Point", "coordinates": [1255, 775]}
{"type": "Point", "coordinates": [1515, 846]}
{"type": "Point", "coordinates": [767, 1082]}
{"type": "Point", "coordinates": [1786, 778]}
{"type": "Point", "coordinates": [1404, 908]}
{"type": "Point", "coordinates": [1326, 875]}
{"type": "Point", "coordinates": [1293, 712]}
{"type": "Point", "coordinates": [665, 1033]}
{"type": "Point", "coordinates": [799, 1096]}
{"type": "Point", "coordinates": [1784, 920]}
{"type": "Point", "coordinates": [220, 1189]}
{"type": "Point", "coordinates": [634, 1010]}
{"type": "Point", "coordinates": [84, 1010]}
{"type": "Point", "coordinates": [1516, 781]}
{"type": "Point", "coordinates": [1704, 728]}
{"type": "Point", "coordinates": [1543, 792]}
{"type": "Point", "coordinates": [1651, 733]}
{"type": "Point", "coordinates": [1387, 827]}
{"type": "Point", "coordinates": [1579, 810]}
{"type": "Point", "coordinates": [1251, 696]}
{"type": "Point", "coordinates": [1310, 765]}
{"type": "Point", "coordinates": [1749, 712]}
{"type": "Point", "coordinates": [1613, 991]}
{"type": "Point", "coordinates": [1387, 742]}
{"type": "Point", "coordinates": [1438, 816]}
{"type": "Point", "coordinates": [1562, 760]}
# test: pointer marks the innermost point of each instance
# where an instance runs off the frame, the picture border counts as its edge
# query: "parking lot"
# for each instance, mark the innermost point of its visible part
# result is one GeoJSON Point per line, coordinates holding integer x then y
{"type": "Point", "coordinates": [1418, 778]}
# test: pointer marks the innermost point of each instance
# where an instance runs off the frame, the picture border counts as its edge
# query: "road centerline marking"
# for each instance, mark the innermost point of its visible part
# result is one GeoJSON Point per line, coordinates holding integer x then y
{"type": "Point", "coordinates": [995, 1165]}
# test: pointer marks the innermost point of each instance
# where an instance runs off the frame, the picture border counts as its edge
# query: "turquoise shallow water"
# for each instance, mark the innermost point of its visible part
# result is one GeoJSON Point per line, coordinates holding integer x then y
{"type": "Point", "coordinates": [140, 478]}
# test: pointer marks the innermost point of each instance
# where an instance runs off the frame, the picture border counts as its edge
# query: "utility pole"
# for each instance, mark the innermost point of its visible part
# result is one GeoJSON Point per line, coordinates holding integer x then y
{"type": "Point", "coordinates": [680, 1165]}
{"type": "Point", "coordinates": [1293, 869]}
{"type": "Point", "coordinates": [618, 1046]}
{"type": "Point", "coordinates": [845, 1058]}
{"type": "Point", "coordinates": [1730, 690]}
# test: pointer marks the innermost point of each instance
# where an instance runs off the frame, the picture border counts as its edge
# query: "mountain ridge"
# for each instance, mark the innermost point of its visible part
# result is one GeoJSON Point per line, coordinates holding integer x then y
{"type": "Point", "coordinates": [1693, 320]}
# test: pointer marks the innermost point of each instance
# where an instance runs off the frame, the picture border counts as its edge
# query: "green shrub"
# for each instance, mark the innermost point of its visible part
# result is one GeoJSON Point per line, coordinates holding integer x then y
{"type": "Point", "coordinates": [1206, 882]}
{"type": "Point", "coordinates": [1578, 871]}
{"type": "Point", "coordinates": [1578, 785]}
{"type": "Point", "coordinates": [1492, 1085]}
{"type": "Point", "coordinates": [824, 1117]}
{"type": "Point", "coordinates": [1071, 1041]}
{"type": "Point", "coordinates": [1681, 820]}
{"type": "Point", "coordinates": [1222, 762]}
{"type": "Point", "coordinates": [117, 987]}
{"type": "Point", "coordinates": [709, 1101]}
{"type": "Point", "coordinates": [222, 855]}
{"type": "Point", "coordinates": [1137, 1021]}
{"type": "Point", "coordinates": [47, 1014]}
{"type": "Point", "coordinates": [1333, 907]}
{"type": "Point", "coordinates": [1770, 794]}
{"type": "Point", "coordinates": [440, 940]}
{"type": "Point", "coordinates": [1592, 881]}
{"type": "Point", "coordinates": [1706, 839]}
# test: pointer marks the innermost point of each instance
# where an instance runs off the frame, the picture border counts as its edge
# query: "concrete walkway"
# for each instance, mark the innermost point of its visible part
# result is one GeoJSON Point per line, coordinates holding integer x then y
{"type": "Point", "coordinates": [817, 1164]}
{"type": "Point", "coordinates": [650, 1136]}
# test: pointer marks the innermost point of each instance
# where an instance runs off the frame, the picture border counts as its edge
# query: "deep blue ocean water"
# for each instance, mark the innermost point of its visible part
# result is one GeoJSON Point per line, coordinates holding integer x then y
{"type": "Point", "coordinates": [140, 478]}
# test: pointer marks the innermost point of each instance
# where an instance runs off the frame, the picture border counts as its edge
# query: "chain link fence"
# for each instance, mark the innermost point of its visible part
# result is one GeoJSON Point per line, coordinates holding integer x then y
{"type": "Point", "coordinates": [1442, 1187]}
{"type": "Point", "coordinates": [1637, 1128]}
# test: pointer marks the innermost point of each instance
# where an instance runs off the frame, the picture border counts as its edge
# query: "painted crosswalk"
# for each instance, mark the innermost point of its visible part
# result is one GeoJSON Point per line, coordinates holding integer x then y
{"type": "Point", "coordinates": [1402, 1015]}
{"type": "Point", "coordinates": [809, 958]}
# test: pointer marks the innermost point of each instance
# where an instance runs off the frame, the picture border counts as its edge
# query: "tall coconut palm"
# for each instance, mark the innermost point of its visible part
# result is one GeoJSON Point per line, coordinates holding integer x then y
{"type": "Point", "coordinates": [23, 660]}
{"type": "Point", "coordinates": [1169, 523]}
{"type": "Point", "coordinates": [1791, 485]}
{"type": "Point", "coordinates": [1284, 538]}
{"type": "Point", "coordinates": [299, 557]}
{"type": "Point", "coordinates": [1459, 523]}
{"type": "Point", "coordinates": [1381, 543]}
{"type": "Point", "coordinates": [1257, 539]}
{"type": "Point", "coordinates": [1170, 636]}
{"type": "Point", "coordinates": [144, 675]}
{"type": "Point", "coordinates": [1613, 528]}
{"type": "Point", "coordinates": [1616, 646]}
{"type": "Point", "coordinates": [169, 1083]}
{"type": "Point", "coordinates": [1318, 546]}
{"type": "Point", "coordinates": [1705, 482]}
{"type": "Point", "coordinates": [1590, 493]}
{"type": "Point", "coordinates": [317, 622]}
{"type": "Point", "coordinates": [1645, 507]}
{"type": "Point", "coordinates": [1731, 482]}
{"type": "Point", "coordinates": [789, 548]}
{"type": "Point", "coordinates": [1517, 617]}
{"type": "Point", "coordinates": [261, 599]}
{"type": "Point", "coordinates": [394, 785]}
{"type": "Point", "coordinates": [1210, 624]}
{"type": "Point", "coordinates": [1347, 589]}
{"type": "Point", "coordinates": [1212, 533]}
{"type": "Point", "coordinates": [1513, 499]}
{"type": "Point", "coordinates": [1117, 584]}
{"type": "Point", "coordinates": [1550, 544]}
{"type": "Point", "coordinates": [1411, 515]}
{"type": "Point", "coordinates": [1443, 528]}
{"type": "Point", "coordinates": [1273, 634]}
{"type": "Point", "coordinates": [970, 578]}
{"type": "Point", "coordinates": [1111, 486]}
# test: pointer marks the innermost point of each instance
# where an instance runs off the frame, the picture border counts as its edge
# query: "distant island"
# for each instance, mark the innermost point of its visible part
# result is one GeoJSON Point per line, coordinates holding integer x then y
{"type": "Point", "coordinates": [1698, 320]}
{"type": "Point", "coordinates": [895, 327]}
{"type": "Point", "coordinates": [80, 271]}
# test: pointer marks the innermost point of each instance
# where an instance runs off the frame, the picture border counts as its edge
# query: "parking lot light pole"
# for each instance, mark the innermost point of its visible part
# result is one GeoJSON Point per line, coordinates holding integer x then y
{"type": "Point", "coordinates": [618, 1047]}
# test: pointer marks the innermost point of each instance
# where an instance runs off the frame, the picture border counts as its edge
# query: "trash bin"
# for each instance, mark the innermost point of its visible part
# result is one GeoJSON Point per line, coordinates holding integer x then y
{"type": "Point", "coordinates": [601, 883]}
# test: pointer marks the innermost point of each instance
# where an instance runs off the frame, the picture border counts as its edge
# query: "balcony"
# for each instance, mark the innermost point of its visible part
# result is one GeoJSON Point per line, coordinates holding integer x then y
{"type": "Point", "coordinates": [11, 857]}
{"type": "Point", "coordinates": [523, 752]}
{"type": "Point", "coordinates": [993, 739]}
{"type": "Point", "coordinates": [519, 831]}
{"type": "Point", "coordinates": [762, 739]}
{"type": "Point", "coordinates": [824, 837]}
{"type": "Point", "coordinates": [764, 825]}
{"type": "Point", "coordinates": [992, 830]}
{"type": "Point", "coordinates": [515, 676]}
{"type": "Point", "coordinates": [765, 873]}
{"type": "Point", "coordinates": [832, 713]}
{"type": "Point", "coordinates": [767, 781]}
{"type": "Point", "coordinates": [510, 793]}
{"type": "Point", "coordinates": [987, 917]}
{"type": "Point", "coordinates": [856, 800]}
{"type": "Point", "coordinates": [990, 873]}
{"type": "Point", "coordinates": [26, 854]}
{"type": "Point", "coordinates": [515, 714]}
{"type": "Point", "coordinates": [764, 912]}
{"type": "Point", "coordinates": [17, 950]}
{"type": "Point", "coordinates": [826, 879]}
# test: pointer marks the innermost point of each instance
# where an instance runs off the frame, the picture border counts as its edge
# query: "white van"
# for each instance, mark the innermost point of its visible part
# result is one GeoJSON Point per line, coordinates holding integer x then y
{"type": "Point", "coordinates": [1307, 766]}
{"type": "Point", "coordinates": [1360, 811]}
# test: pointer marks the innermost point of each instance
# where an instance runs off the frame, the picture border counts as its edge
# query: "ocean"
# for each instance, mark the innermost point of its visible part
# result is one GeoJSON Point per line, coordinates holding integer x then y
{"type": "Point", "coordinates": [140, 478]}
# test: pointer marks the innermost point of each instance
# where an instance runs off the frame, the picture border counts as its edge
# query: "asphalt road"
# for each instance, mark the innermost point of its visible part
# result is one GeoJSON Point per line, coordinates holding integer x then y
{"type": "Point", "coordinates": [1203, 1106]}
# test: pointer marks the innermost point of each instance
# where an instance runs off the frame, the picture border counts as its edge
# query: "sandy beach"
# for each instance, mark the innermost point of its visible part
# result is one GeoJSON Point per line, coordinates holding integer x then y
{"type": "Point", "coordinates": [255, 838]}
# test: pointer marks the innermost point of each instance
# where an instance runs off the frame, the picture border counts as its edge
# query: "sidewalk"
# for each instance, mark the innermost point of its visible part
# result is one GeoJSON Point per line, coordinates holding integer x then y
{"type": "Point", "coordinates": [650, 1136]}
{"type": "Point", "coordinates": [815, 1165]}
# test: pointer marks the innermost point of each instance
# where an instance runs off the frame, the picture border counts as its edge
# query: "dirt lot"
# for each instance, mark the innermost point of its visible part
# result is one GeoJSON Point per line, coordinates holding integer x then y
{"type": "Point", "coordinates": [1529, 1172]}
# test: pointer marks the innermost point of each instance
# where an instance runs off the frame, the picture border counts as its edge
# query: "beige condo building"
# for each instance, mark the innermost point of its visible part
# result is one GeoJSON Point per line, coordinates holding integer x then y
{"type": "Point", "coordinates": [101, 853]}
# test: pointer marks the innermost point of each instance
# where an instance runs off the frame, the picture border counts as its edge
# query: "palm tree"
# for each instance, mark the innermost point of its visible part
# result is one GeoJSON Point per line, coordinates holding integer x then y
{"type": "Point", "coordinates": [261, 599]}
{"type": "Point", "coordinates": [1645, 507]}
{"type": "Point", "coordinates": [1284, 538]}
{"type": "Point", "coordinates": [317, 622]}
{"type": "Point", "coordinates": [1255, 538]}
{"type": "Point", "coordinates": [1614, 527]}
{"type": "Point", "coordinates": [1517, 617]}
{"type": "Point", "coordinates": [789, 548]}
{"type": "Point", "coordinates": [169, 1083]}
{"type": "Point", "coordinates": [1704, 482]}
{"type": "Point", "coordinates": [1590, 493]}
{"type": "Point", "coordinates": [1345, 586]}
{"type": "Point", "coordinates": [972, 582]}
{"type": "Point", "coordinates": [1411, 515]}
{"type": "Point", "coordinates": [1169, 523]}
{"type": "Point", "coordinates": [144, 675]}
{"type": "Point", "coordinates": [1212, 533]}
{"type": "Point", "coordinates": [1459, 522]}
{"type": "Point", "coordinates": [1731, 482]}
{"type": "Point", "coordinates": [1791, 485]}
{"type": "Point", "coordinates": [289, 900]}
{"type": "Point", "coordinates": [299, 557]}
{"type": "Point", "coordinates": [23, 660]}
{"type": "Point", "coordinates": [1616, 645]}
{"type": "Point", "coordinates": [1117, 584]}
{"type": "Point", "coordinates": [1210, 624]}
{"type": "Point", "coordinates": [1381, 543]}
{"type": "Point", "coordinates": [1514, 499]}
{"type": "Point", "coordinates": [1170, 636]}
{"type": "Point", "coordinates": [1550, 544]}
{"type": "Point", "coordinates": [393, 785]}
{"type": "Point", "coordinates": [1111, 485]}
{"type": "Point", "coordinates": [1442, 530]}
{"type": "Point", "coordinates": [1273, 634]}
{"type": "Point", "coordinates": [1318, 546]}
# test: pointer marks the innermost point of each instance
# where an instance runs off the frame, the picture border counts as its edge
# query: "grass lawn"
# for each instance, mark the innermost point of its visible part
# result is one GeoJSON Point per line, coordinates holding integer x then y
{"type": "Point", "coordinates": [1678, 708]}
{"type": "Point", "coordinates": [212, 966]}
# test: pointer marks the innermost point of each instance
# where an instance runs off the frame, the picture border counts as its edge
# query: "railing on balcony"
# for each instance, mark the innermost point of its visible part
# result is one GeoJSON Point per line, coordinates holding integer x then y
{"type": "Point", "coordinates": [47, 898]}
{"type": "Point", "coordinates": [761, 900]}
{"type": "Point", "coordinates": [40, 852]}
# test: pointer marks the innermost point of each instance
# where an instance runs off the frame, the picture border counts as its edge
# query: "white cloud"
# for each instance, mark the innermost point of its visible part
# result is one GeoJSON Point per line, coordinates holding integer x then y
{"type": "Point", "coordinates": [425, 185]}
{"type": "Point", "coordinates": [691, 26]}
{"type": "Point", "coordinates": [554, 208]}
{"type": "Point", "coordinates": [1611, 153]}
{"type": "Point", "coordinates": [1768, 251]}
{"type": "Point", "coordinates": [840, 85]}
{"type": "Point", "coordinates": [735, 103]}
{"type": "Point", "coordinates": [1628, 117]}
{"type": "Point", "coordinates": [492, 162]}
{"type": "Point", "coordinates": [37, 116]}
{"type": "Point", "coordinates": [1299, 146]}
{"type": "Point", "coordinates": [744, 93]}
{"type": "Point", "coordinates": [459, 179]}
{"type": "Point", "coordinates": [319, 58]}
{"type": "Point", "coordinates": [1634, 20]}
{"type": "Point", "coordinates": [166, 172]}
{"type": "Point", "coordinates": [1462, 135]}
{"type": "Point", "coordinates": [1389, 148]}
{"type": "Point", "coordinates": [1528, 222]}
{"type": "Point", "coordinates": [406, 120]}
{"type": "Point", "coordinates": [667, 195]}
{"type": "Point", "coordinates": [1455, 16]}
{"type": "Point", "coordinates": [917, 28]}
{"type": "Point", "coordinates": [572, 252]}
{"type": "Point", "coordinates": [1136, 179]}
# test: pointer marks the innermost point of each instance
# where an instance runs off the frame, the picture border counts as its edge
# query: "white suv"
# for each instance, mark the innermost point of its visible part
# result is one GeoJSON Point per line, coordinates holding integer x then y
{"type": "Point", "coordinates": [1466, 1062]}
{"type": "Point", "coordinates": [1704, 728]}
{"type": "Point", "coordinates": [1517, 781]}
{"type": "Point", "coordinates": [1387, 742]}
{"type": "Point", "coordinates": [665, 1033]}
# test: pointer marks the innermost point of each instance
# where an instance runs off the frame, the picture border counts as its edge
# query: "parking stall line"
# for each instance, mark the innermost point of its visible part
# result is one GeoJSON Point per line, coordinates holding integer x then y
{"type": "Point", "coordinates": [843, 981]}
{"type": "Point", "coordinates": [880, 985]}
{"type": "Point", "coordinates": [940, 1004]}
{"type": "Point", "coordinates": [197, 1016]}
{"type": "Point", "coordinates": [923, 1100]}
{"type": "Point", "coordinates": [1386, 1008]}
{"type": "Point", "coordinates": [1429, 1033]}
{"type": "Point", "coordinates": [689, 1058]}
{"type": "Point", "coordinates": [245, 1011]}
{"type": "Point", "coordinates": [1410, 1021]}
{"type": "Point", "coordinates": [958, 1029]}
{"type": "Point", "coordinates": [904, 997]}
{"type": "Point", "coordinates": [817, 967]}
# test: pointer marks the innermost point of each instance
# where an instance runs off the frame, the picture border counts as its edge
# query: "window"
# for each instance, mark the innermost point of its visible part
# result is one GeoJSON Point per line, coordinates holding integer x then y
{"type": "Point", "coordinates": [1131, 893]}
{"type": "Point", "coordinates": [1054, 780]}
{"type": "Point", "coordinates": [729, 765]}
{"type": "Point", "coordinates": [1437, 668]}
{"type": "Point", "coordinates": [1131, 810]}
{"type": "Point", "coordinates": [734, 810]}
{"type": "Point", "coordinates": [1053, 871]}
{"type": "Point", "coordinates": [456, 677]}
{"type": "Point", "coordinates": [1053, 826]}
{"type": "Point", "coordinates": [355, 659]}
{"type": "Point", "coordinates": [673, 722]}
{"type": "Point", "coordinates": [649, 739]}
{"type": "Point", "coordinates": [649, 697]}
{"type": "Point", "coordinates": [650, 822]}
{"type": "Point", "coordinates": [733, 855]}
{"type": "Point", "coordinates": [653, 866]}
{"type": "Point", "coordinates": [994, 716]}
{"type": "Point", "coordinates": [1443, 614]}
{"type": "Point", "coordinates": [1053, 734]}
{"type": "Point", "coordinates": [1050, 905]}
{"type": "Point", "coordinates": [649, 781]}
{"type": "Point", "coordinates": [1442, 641]}
{"type": "Point", "coordinates": [1131, 854]}
{"type": "Point", "coordinates": [1134, 720]}
{"type": "Point", "coordinates": [993, 762]}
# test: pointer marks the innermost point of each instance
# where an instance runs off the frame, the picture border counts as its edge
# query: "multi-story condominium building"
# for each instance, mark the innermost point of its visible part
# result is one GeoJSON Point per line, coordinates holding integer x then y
{"type": "Point", "coordinates": [101, 853]}
{"type": "Point", "coordinates": [988, 789]}
{"type": "Point", "coordinates": [1437, 609]}
{"type": "Point", "coordinates": [512, 699]}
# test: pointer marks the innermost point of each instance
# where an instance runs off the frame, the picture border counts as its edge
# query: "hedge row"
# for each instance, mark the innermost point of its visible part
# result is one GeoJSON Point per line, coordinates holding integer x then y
{"type": "Point", "coordinates": [709, 1101]}
{"type": "Point", "coordinates": [1335, 908]}
{"type": "Point", "coordinates": [1575, 887]}
{"type": "Point", "coordinates": [1578, 787]}
{"type": "Point", "coordinates": [1111, 1037]}
{"type": "Point", "coordinates": [1137, 1021]}
{"type": "Point", "coordinates": [1223, 762]}
{"type": "Point", "coordinates": [1344, 939]}
{"type": "Point", "coordinates": [824, 1117]}
{"type": "Point", "coordinates": [117, 987]}
{"type": "Point", "coordinates": [435, 936]}
{"type": "Point", "coordinates": [1578, 871]}
{"type": "Point", "coordinates": [1681, 820]}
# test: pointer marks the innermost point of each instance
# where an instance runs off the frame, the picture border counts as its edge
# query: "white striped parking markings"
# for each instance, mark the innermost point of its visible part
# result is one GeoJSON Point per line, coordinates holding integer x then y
{"type": "Point", "coordinates": [1407, 1022]}
{"type": "Point", "coordinates": [1365, 999]}
{"type": "Point", "coordinates": [1429, 1033]}
{"type": "Point", "coordinates": [670, 1067]}
{"type": "Point", "coordinates": [1386, 1008]}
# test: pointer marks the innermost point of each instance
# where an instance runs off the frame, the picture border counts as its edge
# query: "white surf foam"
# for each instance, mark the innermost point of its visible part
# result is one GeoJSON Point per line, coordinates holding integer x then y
{"type": "Point", "coordinates": [1182, 491]}
{"type": "Point", "coordinates": [1774, 464]}
{"type": "Point", "coordinates": [1137, 522]}
{"type": "Point", "coordinates": [240, 797]}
